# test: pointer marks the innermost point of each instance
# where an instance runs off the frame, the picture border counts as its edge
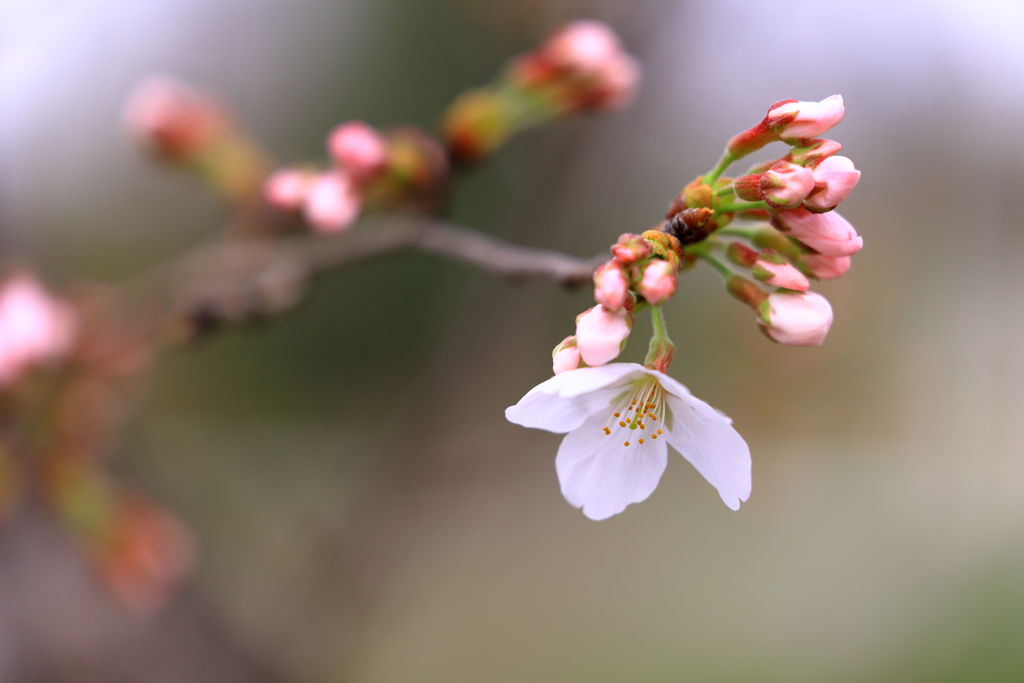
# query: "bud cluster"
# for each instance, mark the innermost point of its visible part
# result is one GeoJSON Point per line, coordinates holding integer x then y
{"type": "Point", "coordinates": [367, 167]}
{"type": "Point", "coordinates": [581, 67]}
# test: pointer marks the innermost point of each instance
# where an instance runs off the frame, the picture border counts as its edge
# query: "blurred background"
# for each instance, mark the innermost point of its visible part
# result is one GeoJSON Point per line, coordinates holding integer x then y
{"type": "Point", "coordinates": [363, 510]}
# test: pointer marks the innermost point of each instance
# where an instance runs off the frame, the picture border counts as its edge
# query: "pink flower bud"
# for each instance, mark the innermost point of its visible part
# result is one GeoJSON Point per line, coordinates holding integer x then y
{"type": "Point", "coordinates": [611, 285]}
{"type": "Point", "coordinates": [785, 185]}
{"type": "Point", "coordinates": [802, 120]}
{"type": "Point", "coordinates": [288, 188]}
{"type": "Point", "coordinates": [834, 179]}
{"type": "Point", "coordinates": [333, 202]}
{"type": "Point", "coordinates": [358, 148]}
{"type": "Point", "coordinates": [171, 118]}
{"type": "Point", "coordinates": [659, 282]}
{"type": "Point", "coordinates": [566, 356]}
{"type": "Point", "coordinates": [600, 334]}
{"type": "Point", "coordinates": [798, 319]}
{"type": "Point", "coordinates": [780, 275]}
{"type": "Point", "coordinates": [617, 82]}
{"type": "Point", "coordinates": [34, 327]}
{"type": "Point", "coordinates": [631, 248]}
{"type": "Point", "coordinates": [827, 233]}
{"type": "Point", "coordinates": [585, 46]}
{"type": "Point", "coordinates": [827, 267]}
{"type": "Point", "coordinates": [813, 151]}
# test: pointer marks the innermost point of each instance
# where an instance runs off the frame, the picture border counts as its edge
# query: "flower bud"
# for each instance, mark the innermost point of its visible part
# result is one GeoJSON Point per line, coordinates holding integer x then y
{"type": "Point", "coordinates": [826, 267]}
{"type": "Point", "coordinates": [333, 202]}
{"type": "Point", "coordinates": [748, 187]}
{"type": "Point", "coordinates": [631, 248]}
{"type": "Point", "coordinates": [691, 226]}
{"type": "Point", "coordinates": [584, 46]}
{"type": "Point", "coordinates": [664, 245]}
{"type": "Point", "coordinates": [659, 282]}
{"type": "Point", "coordinates": [827, 233]}
{"type": "Point", "coordinates": [741, 255]}
{"type": "Point", "coordinates": [34, 327]}
{"type": "Point", "coordinates": [611, 285]}
{"type": "Point", "coordinates": [747, 292]}
{"type": "Point", "coordinates": [476, 124]}
{"type": "Point", "coordinates": [601, 334]}
{"type": "Point", "coordinates": [358, 148]}
{"type": "Point", "coordinates": [774, 270]}
{"type": "Point", "coordinates": [794, 120]}
{"type": "Point", "coordinates": [798, 319]}
{"type": "Point", "coordinates": [173, 119]}
{"type": "Point", "coordinates": [288, 188]}
{"type": "Point", "coordinates": [834, 179]}
{"type": "Point", "coordinates": [617, 82]}
{"type": "Point", "coordinates": [813, 151]}
{"type": "Point", "coordinates": [785, 185]}
{"type": "Point", "coordinates": [566, 356]}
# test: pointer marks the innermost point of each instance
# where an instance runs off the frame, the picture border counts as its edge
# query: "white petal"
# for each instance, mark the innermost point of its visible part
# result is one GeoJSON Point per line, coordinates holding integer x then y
{"type": "Point", "coordinates": [601, 475]}
{"type": "Point", "coordinates": [562, 403]}
{"type": "Point", "coordinates": [706, 438]}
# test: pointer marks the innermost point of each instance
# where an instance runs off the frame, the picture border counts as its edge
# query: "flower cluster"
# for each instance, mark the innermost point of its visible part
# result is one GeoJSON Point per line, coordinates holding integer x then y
{"type": "Point", "coordinates": [619, 417]}
{"type": "Point", "coordinates": [581, 67]}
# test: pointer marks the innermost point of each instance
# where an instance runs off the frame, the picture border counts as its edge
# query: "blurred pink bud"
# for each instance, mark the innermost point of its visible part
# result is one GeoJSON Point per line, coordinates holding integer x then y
{"type": "Point", "coordinates": [827, 233]}
{"type": "Point", "coordinates": [659, 282]}
{"type": "Point", "coordinates": [288, 188]}
{"type": "Point", "coordinates": [827, 267]}
{"type": "Point", "coordinates": [566, 356]}
{"type": "Point", "coordinates": [358, 148]}
{"type": "Point", "coordinates": [585, 46]}
{"type": "Point", "coordinates": [631, 248]}
{"type": "Point", "coordinates": [813, 151]}
{"type": "Point", "coordinates": [802, 120]}
{"type": "Point", "coordinates": [172, 118]}
{"type": "Point", "coordinates": [617, 82]}
{"type": "Point", "coordinates": [600, 334]}
{"type": "Point", "coordinates": [33, 327]}
{"type": "Point", "coordinates": [611, 285]}
{"type": "Point", "coordinates": [785, 185]}
{"type": "Point", "coordinates": [780, 275]}
{"type": "Point", "coordinates": [333, 202]}
{"type": "Point", "coordinates": [798, 319]}
{"type": "Point", "coordinates": [834, 179]}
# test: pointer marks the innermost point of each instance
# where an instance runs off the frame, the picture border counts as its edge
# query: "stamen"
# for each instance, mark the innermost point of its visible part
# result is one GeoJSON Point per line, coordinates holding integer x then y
{"type": "Point", "coordinates": [617, 415]}
{"type": "Point", "coordinates": [654, 436]}
{"type": "Point", "coordinates": [626, 444]}
{"type": "Point", "coordinates": [659, 431]}
{"type": "Point", "coordinates": [641, 440]}
{"type": "Point", "coordinates": [621, 423]}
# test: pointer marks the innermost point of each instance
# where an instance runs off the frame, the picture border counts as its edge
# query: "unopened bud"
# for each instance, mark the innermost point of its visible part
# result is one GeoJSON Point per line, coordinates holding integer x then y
{"type": "Point", "coordinates": [748, 187]}
{"type": "Point", "coordinates": [584, 45]}
{"type": "Point", "coordinates": [659, 282]}
{"type": "Point", "coordinates": [34, 327]}
{"type": "Point", "coordinates": [785, 185]}
{"type": "Point", "coordinates": [288, 188]}
{"type": "Point", "coordinates": [359, 149]}
{"type": "Point", "coordinates": [813, 151]}
{"type": "Point", "coordinates": [771, 269]}
{"type": "Point", "coordinates": [601, 334]}
{"type": "Point", "coordinates": [665, 245]}
{"type": "Point", "coordinates": [691, 226]}
{"type": "Point", "coordinates": [476, 124]}
{"type": "Point", "coordinates": [794, 120]}
{"type": "Point", "coordinates": [333, 202]}
{"type": "Point", "coordinates": [741, 255]}
{"type": "Point", "coordinates": [610, 285]}
{"type": "Point", "coordinates": [767, 237]}
{"type": "Point", "coordinates": [834, 178]}
{"type": "Point", "coordinates": [747, 292]}
{"type": "Point", "coordinates": [565, 356]}
{"type": "Point", "coordinates": [697, 194]}
{"type": "Point", "coordinates": [827, 267]}
{"type": "Point", "coordinates": [631, 248]}
{"type": "Point", "coordinates": [827, 233]}
{"type": "Point", "coordinates": [173, 119]}
{"type": "Point", "coordinates": [797, 319]}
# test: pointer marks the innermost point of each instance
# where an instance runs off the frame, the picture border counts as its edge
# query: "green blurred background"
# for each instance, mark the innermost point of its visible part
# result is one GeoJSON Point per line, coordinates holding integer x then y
{"type": "Point", "coordinates": [364, 511]}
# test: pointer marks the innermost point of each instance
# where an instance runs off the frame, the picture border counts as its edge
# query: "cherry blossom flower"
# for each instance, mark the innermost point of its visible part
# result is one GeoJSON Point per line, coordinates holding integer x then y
{"type": "Point", "coordinates": [172, 118]}
{"type": "Point", "coordinates": [834, 179]}
{"type": "Point", "coordinates": [566, 356]}
{"type": "Point", "coordinates": [34, 327]}
{"type": "Point", "coordinates": [827, 267]}
{"type": "Point", "coordinates": [791, 119]}
{"type": "Point", "coordinates": [288, 188]}
{"type": "Point", "coordinates": [785, 185]}
{"type": "Point", "coordinates": [827, 233]}
{"type": "Point", "coordinates": [659, 282]}
{"type": "Point", "coordinates": [611, 286]}
{"type": "Point", "coordinates": [619, 420]}
{"type": "Point", "coordinates": [780, 274]}
{"type": "Point", "coordinates": [798, 319]}
{"type": "Point", "coordinates": [600, 333]}
{"type": "Point", "coordinates": [358, 148]}
{"type": "Point", "coordinates": [332, 202]}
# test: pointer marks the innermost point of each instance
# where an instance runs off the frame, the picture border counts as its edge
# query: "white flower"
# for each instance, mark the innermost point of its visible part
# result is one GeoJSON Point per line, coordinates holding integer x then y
{"type": "Point", "coordinates": [621, 418]}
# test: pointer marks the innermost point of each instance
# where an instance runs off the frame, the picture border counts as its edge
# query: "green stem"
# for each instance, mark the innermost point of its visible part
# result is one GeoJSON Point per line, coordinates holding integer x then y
{"type": "Point", "coordinates": [745, 233]}
{"type": "Point", "coordinates": [742, 206]}
{"type": "Point", "coordinates": [704, 253]}
{"type": "Point", "coordinates": [728, 189]}
{"type": "Point", "coordinates": [719, 169]}
{"type": "Point", "coordinates": [661, 350]}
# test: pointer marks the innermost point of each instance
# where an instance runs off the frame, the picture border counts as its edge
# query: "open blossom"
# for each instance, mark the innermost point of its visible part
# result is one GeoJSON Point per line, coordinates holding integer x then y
{"type": "Point", "coordinates": [827, 233]}
{"type": "Point", "coordinates": [333, 202]}
{"type": "Point", "coordinates": [600, 333]}
{"type": "Point", "coordinates": [34, 327]}
{"type": "Point", "coordinates": [791, 119]}
{"type": "Point", "coordinates": [358, 148]}
{"type": "Point", "coordinates": [834, 179]}
{"type": "Point", "coordinates": [798, 319]}
{"type": "Point", "coordinates": [827, 267]}
{"type": "Point", "coordinates": [780, 275]}
{"type": "Point", "coordinates": [619, 421]}
{"type": "Point", "coordinates": [785, 185]}
{"type": "Point", "coordinates": [659, 282]}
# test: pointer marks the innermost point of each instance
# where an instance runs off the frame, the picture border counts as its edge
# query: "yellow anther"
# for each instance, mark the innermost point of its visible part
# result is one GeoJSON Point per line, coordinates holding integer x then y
{"type": "Point", "coordinates": [641, 440]}
{"type": "Point", "coordinates": [654, 417]}
{"type": "Point", "coordinates": [621, 423]}
{"type": "Point", "coordinates": [625, 443]}
{"type": "Point", "coordinates": [616, 415]}
{"type": "Point", "coordinates": [654, 436]}
{"type": "Point", "coordinates": [659, 431]}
